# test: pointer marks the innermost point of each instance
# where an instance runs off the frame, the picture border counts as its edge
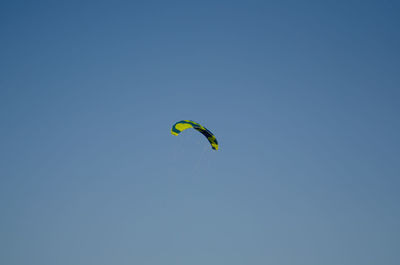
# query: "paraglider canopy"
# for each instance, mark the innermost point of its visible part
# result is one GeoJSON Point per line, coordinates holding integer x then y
{"type": "Point", "coordinates": [186, 124]}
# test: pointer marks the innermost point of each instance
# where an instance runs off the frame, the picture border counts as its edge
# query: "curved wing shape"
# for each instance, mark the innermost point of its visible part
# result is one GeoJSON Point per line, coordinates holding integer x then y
{"type": "Point", "coordinates": [186, 124]}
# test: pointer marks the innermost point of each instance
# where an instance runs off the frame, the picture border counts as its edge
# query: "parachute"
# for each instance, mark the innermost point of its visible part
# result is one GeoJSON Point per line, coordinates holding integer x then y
{"type": "Point", "coordinates": [186, 124]}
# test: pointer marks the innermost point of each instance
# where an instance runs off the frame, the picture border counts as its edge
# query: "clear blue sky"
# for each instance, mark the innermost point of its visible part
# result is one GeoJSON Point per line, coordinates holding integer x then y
{"type": "Point", "coordinates": [303, 97]}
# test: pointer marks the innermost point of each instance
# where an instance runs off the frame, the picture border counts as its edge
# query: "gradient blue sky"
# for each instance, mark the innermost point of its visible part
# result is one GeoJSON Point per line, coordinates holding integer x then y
{"type": "Point", "coordinates": [302, 95]}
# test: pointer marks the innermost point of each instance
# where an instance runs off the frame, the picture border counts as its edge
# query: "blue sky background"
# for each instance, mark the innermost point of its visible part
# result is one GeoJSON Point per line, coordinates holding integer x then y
{"type": "Point", "coordinates": [303, 97]}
